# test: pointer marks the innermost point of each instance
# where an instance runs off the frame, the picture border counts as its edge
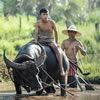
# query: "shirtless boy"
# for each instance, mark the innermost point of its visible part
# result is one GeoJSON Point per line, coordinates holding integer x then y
{"type": "Point", "coordinates": [44, 34]}
{"type": "Point", "coordinates": [71, 46]}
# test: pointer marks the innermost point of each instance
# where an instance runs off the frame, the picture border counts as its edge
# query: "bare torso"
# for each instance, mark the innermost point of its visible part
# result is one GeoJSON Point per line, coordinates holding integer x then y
{"type": "Point", "coordinates": [46, 27]}
{"type": "Point", "coordinates": [70, 49]}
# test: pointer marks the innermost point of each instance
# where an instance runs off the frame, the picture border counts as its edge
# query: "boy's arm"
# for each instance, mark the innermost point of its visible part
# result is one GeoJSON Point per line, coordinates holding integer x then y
{"type": "Point", "coordinates": [55, 31]}
{"type": "Point", "coordinates": [36, 32]}
{"type": "Point", "coordinates": [82, 50]}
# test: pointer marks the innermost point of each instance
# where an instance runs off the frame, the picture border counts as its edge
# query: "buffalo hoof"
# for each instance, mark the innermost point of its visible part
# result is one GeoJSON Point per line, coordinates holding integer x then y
{"type": "Point", "coordinates": [43, 94]}
{"type": "Point", "coordinates": [65, 94]}
{"type": "Point", "coordinates": [50, 89]}
{"type": "Point", "coordinates": [40, 93]}
{"type": "Point", "coordinates": [61, 95]}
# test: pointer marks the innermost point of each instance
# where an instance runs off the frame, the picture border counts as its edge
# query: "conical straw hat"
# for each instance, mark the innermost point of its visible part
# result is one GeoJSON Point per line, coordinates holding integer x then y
{"type": "Point", "coordinates": [71, 28]}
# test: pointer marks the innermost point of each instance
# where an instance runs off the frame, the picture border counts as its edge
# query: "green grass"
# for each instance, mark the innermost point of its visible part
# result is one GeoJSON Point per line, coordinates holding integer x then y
{"type": "Point", "coordinates": [12, 40]}
{"type": "Point", "coordinates": [91, 63]}
{"type": "Point", "coordinates": [9, 29]}
{"type": "Point", "coordinates": [10, 37]}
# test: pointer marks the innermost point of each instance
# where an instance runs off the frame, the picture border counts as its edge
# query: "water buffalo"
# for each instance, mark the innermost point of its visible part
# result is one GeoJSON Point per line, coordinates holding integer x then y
{"type": "Point", "coordinates": [36, 68]}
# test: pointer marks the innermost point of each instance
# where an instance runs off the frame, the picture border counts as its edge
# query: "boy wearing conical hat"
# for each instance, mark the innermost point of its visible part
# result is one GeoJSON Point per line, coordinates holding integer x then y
{"type": "Point", "coordinates": [71, 46]}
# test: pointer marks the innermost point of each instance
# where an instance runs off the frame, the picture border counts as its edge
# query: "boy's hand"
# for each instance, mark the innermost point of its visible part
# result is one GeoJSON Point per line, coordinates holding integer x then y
{"type": "Point", "coordinates": [83, 52]}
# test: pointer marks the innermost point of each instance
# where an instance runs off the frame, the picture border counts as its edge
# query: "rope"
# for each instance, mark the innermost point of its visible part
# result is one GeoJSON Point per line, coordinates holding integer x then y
{"type": "Point", "coordinates": [72, 82]}
{"type": "Point", "coordinates": [55, 82]}
{"type": "Point", "coordinates": [49, 76]}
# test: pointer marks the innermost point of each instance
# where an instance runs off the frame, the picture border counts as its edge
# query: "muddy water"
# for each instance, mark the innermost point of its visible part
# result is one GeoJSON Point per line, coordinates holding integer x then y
{"type": "Point", "coordinates": [7, 92]}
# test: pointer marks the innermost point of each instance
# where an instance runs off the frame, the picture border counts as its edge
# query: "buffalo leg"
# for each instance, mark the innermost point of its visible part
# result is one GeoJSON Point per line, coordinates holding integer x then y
{"type": "Point", "coordinates": [39, 92]}
{"type": "Point", "coordinates": [50, 89]}
{"type": "Point", "coordinates": [63, 85]}
{"type": "Point", "coordinates": [18, 89]}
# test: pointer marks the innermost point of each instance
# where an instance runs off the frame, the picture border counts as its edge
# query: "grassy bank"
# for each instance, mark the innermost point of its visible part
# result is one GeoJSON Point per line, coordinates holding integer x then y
{"type": "Point", "coordinates": [13, 36]}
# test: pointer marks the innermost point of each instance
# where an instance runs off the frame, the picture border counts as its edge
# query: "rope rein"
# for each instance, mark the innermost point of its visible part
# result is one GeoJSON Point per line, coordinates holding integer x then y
{"type": "Point", "coordinates": [55, 82]}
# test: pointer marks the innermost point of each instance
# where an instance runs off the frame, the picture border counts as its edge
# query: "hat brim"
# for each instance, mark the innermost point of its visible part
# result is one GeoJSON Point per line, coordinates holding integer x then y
{"type": "Point", "coordinates": [65, 32]}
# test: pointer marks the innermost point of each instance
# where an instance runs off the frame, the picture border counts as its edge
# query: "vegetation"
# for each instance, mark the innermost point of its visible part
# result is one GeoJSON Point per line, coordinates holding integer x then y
{"type": "Point", "coordinates": [18, 18]}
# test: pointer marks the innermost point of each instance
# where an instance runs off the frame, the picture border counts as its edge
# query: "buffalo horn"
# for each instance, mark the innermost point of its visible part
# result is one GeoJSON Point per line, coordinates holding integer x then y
{"type": "Point", "coordinates": [13, 64]}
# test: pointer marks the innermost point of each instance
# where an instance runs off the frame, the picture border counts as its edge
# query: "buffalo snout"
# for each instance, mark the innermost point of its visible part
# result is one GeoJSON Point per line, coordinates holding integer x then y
{"type": "Point", "coordinates": [36, 84]}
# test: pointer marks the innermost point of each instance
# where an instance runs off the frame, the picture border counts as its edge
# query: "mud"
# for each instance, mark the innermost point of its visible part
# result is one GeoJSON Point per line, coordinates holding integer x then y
{"type": "Point", "coordinates": [7, 92]}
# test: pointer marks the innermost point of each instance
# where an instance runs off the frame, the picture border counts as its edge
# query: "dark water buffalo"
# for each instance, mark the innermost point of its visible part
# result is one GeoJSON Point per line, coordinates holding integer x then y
{"type": "Point", "coordinates": [33, 71]}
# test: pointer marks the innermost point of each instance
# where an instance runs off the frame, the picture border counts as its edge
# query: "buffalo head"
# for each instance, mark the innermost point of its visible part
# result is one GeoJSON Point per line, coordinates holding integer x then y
{"type": "Point", "coordinates": [25, 73]}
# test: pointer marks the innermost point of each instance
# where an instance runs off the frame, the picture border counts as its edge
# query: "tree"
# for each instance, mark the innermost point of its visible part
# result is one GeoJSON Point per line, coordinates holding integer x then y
{"type": "Point", "coordinates": [49, 4]}
{"type": "Point", "coordinates": [92, 4]}
{"type": "Point", "coordinates": [70, 12]}
{"type": "Point", "coordinates": [10, 7]}
{"type": "Point", "coordinates": [27, 6]}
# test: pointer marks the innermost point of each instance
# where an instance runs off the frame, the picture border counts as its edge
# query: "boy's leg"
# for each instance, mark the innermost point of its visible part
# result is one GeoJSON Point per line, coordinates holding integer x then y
{"type": "Point", "coordinates": [72, 82]}
{"type": "Point", "coordinates": [71, 76]}
{"type": "Point", "coordinates": [58, 55]}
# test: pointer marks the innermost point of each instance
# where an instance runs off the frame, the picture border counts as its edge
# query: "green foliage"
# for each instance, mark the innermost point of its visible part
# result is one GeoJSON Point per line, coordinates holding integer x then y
{"type": "Point", "coordinates": [94, 16]}
{"type": "Point", "coordinates": [12, 40]}
{"type": "Point", "coordinates": [97, 36]}
{"type": "Point", "coordinates": [10, 6]}
{"type": "Point", "coordinates": [10, 28]}
{"type": "Point", "coordinates": [1, 7]}
{"type": "Point", "coordinates": [6, 45]}
{"type": "Point", "coordinates": [14, 34]}
{"type": "Point", "coordinates": [91, 64]}
{"type": "Point", "coordinates": [56, 16]}
{"type": "Point", "coordinates": [10, 37]}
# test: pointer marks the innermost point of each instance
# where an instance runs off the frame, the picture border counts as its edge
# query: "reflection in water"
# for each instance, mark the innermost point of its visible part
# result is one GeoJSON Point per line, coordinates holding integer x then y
{"type": "Point", "coordinates": [86, 95]}
{"type": "Point", "coordinates": [90, 95]}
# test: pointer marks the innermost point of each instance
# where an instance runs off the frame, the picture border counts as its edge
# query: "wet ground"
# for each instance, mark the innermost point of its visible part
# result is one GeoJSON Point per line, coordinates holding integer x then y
{"type": "Point", "coordinates": [7, 92]}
